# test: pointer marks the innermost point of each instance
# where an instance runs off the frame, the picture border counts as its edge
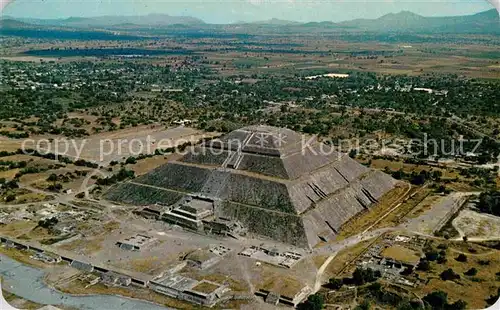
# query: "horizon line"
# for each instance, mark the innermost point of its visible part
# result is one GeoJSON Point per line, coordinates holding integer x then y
{"type": "Point", "coordinates": [243, 21]}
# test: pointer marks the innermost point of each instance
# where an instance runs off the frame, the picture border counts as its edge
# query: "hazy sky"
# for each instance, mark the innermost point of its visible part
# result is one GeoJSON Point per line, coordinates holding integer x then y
{"type": "Point", "coordinates": [227, 11]}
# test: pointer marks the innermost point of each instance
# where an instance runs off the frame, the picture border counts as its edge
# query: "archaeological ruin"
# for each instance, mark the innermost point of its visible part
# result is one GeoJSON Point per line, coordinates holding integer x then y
{"type": "Point", "coordinates": [269, 182]}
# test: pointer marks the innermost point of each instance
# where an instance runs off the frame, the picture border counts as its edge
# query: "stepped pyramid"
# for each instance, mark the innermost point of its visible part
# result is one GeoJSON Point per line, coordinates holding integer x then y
{"type": "Point", "coordinates": [277, 183]}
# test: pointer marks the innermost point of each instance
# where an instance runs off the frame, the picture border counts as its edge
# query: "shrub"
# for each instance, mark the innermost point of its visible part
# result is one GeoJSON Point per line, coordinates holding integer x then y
{"type": "Point", "coordinates": [365, 305]}
{"type": "Point", "coordinates": [424, 265]}
{"type": "Point", "coordinates": [471, 272]}
{"type": "Point", "coordinates": [442, 246]}
{"type": "Point", "coordinates": [10, 197]}
{"type": "Point", "coordinates": [431, 256]}
{"type": "Point", "coordinates": [335, 283]}
{"type": "Point", "coordinates": [313, 302]}
{"type": "Point", "coordinates": [437, 300]}
{"type": "Point", "coordinates": [442, 260]}
{"type": "Point", "coordinates": [407, 271]}
{"type": "Point", "coordinates": [458, 305]}
{"type": "Point", "coordinates": [449, 275]}
{"type": "Point", "coordinates": [362, 276]}
{"type": "Point", "coordinates": [48, 223]}
{"type": "Point", "coordinates": [461, 258]}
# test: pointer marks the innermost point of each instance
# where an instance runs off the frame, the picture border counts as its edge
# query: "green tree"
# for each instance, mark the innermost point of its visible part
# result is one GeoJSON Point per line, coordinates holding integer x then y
{"type": "Point", "coordinates": [365, 305]}
{"type": "Point", "coordinates": [449, 275]}
{"type": "Point", "coordinates": [461, 258]}
{"type": "Point", "coordinates": [436, 300]}
{"type": "Point", "coordinates": [423, 265]}
{"type": "Point", "coordinates": [335, 283]}
{"type": "Point", "coordinates": [471, 272]}
{"type": "Point", "coordinates": [52, 177]}
{"type": "Point", "coordinates": [313, 302]}
{"type": "Point", "coordinates": [457, 305]}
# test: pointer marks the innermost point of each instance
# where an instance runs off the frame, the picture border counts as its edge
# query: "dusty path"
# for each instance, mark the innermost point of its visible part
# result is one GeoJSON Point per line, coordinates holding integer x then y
{"type": "Point", "coordinates": [321, 270]}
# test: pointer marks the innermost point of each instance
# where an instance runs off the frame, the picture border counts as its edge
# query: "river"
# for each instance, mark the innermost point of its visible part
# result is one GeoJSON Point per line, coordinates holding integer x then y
{"type": "Point", "coordinates": [27, 282]}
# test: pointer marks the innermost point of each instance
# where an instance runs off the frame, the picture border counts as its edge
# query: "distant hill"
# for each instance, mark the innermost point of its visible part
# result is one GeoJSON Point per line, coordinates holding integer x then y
{"type": "Point", "coordinates": [11, 27]}
{"type": "Point", "coordinates": [321, 25]}
{"type": "Point", "coordinates": [276, 21]}
{"type": "Point", "coordinates": [12, 23]}
{"type": "Point", "coordinates": [487, 21]}
{"type": "Point", "coordinates": [106, 21]}
{"type": "Point", "coordinates": [402, 22]}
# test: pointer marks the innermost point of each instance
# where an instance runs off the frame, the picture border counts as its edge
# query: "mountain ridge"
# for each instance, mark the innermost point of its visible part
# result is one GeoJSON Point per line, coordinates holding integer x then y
{"type": "Point", "coordinates": [403, 21]}
{"type": "Point", "coordinates": [154, 19]}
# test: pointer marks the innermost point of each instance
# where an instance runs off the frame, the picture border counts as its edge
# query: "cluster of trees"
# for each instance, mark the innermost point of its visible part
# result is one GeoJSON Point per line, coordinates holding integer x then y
{"type": "Point", "coordinates": [313, 302]}
{"type": "Point", "coordinates": [8, 184]}
{"type": "Point", "coordinates": [383, 296]}
{"type": "Point", "coordinates": [67, 177]}
{"type": "Point", "coordinates": [56, 187]}
{"type": "Point", "coordinates": [432, 255]}
{"type": "Point", "coordinates": [439, 301]}
{"type": "Point", "coordinates": [30, 170]}
{"type": "Point", "coordinates": [221, 105]}
{"type": "Point", "coordinates": [416, 178]}
{"type": "Point", "coordinates": [494, 298]}
{"type": "Point", "coordinates": [48, 223]}
{"type": "Point", "coordinates": [375, 292]}
{"type": "Point", "coordinates": [121, 175]}
{"type": "Point", "coordinates": [433, 301]}
{"type": "Point", "coordinates": [362, 276]}
{"type": "Point", "coordinates": [9, 165]}
{"type": "Point", "coordinates": [359, 277]}
{"type": "Point", "coordinates": [449, 275]}
{"type": "Point", "coordinates": [60, 158]}
{"type": "Point", "coordinates": [97, 85]}
{"type": "Point", "coordinates": [14, 135]}
{"type": "Point", "coordinates": [489, 202]}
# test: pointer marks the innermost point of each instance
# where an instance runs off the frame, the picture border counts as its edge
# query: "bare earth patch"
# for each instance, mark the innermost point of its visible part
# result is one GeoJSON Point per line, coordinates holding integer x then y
{"type": "Point", "coordinates": [476, 225]}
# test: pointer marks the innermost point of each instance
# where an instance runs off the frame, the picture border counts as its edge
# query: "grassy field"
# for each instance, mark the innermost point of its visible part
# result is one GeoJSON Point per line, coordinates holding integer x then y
{"type": "Point", "coordinates": [472, 289]}
{"type": "Point", "coordinates": [87, 246]}
{"type": "Point", "coordinates": [400, 253]}
{"type": "Point", "coordinates": [424, 205]}
{"type": "Point", "coordinates": [340, 264]}
{"type": "Point", "coordinates": [22, 256]}
{"type": "Point", "coordinates": [147, 164]}
{"type": "Point", "coordinates": [364, 220]}
{"type": "Point", "coordinates": [408, 207]}
{"type": "Point", "coordinates": [9, 174]}
{"type": "Point", "coordinates": [10, 145]}
{"type": "Point", "coordinates": [17, 228]}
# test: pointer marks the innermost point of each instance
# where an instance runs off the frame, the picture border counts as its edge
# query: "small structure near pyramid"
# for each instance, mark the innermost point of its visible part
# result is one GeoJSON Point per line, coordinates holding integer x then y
{"type": "Point", "coordinates": [267, 181]}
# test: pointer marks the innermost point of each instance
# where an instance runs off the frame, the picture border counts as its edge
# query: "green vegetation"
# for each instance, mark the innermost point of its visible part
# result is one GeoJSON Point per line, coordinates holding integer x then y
{"type": "Point", "coordinates": [458, 107]}
{"type": "Point", "coordinates": [313, 302]}
{"type": "Point", "coordinates": [439, 301]}
{"type": "Point", "coordinates": [122, 175]}
{"type": "Point", "coordinates": [490, 203]}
